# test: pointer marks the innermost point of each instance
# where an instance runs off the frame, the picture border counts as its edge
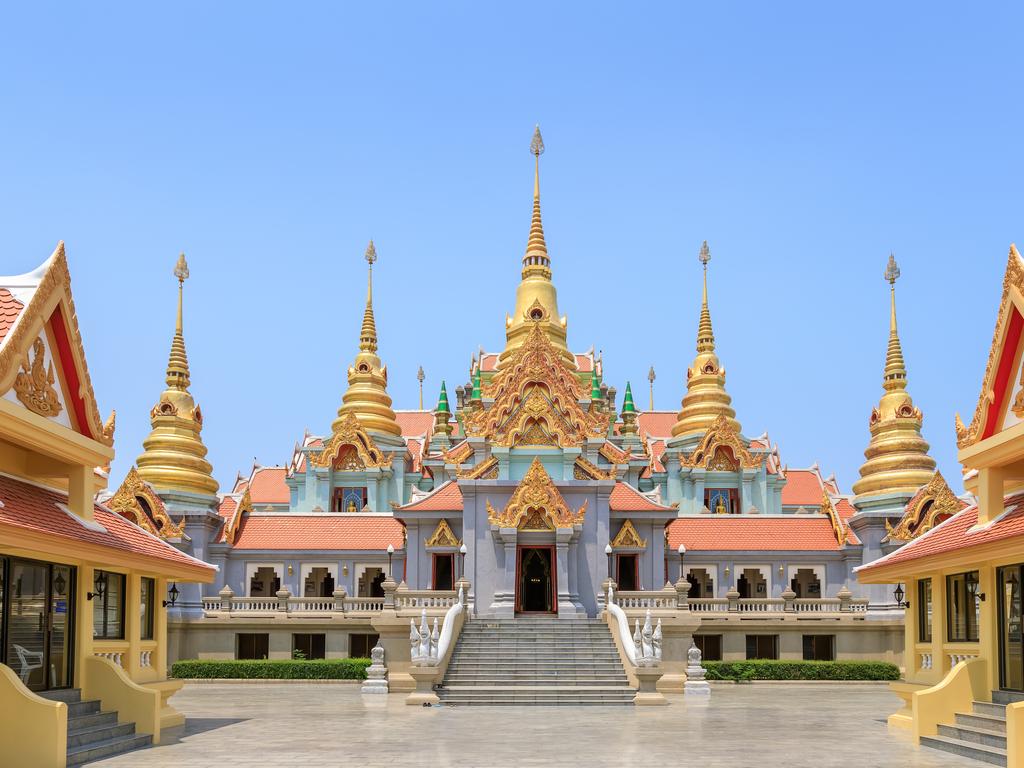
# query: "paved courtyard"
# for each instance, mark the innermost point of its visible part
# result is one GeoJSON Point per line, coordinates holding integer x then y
{"type": "Point", "coordinates": [318, 725]}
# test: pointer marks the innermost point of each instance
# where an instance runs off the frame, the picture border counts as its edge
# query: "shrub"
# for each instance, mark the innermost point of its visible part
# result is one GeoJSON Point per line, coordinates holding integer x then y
{"type": "Point", "coordinates": [801, 670]}
{"type": "Point", "coordinates": [272, 669]}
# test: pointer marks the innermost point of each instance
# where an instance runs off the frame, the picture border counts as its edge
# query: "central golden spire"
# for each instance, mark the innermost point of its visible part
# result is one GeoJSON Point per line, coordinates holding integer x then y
{"type": "Point", "coordinates": [536, 298]}
{"type": "Point", "coordinates": [706, 398]}
{"type": "Point", "coordinates": [173, 456]}
{"type": "Point", "coordinates": [897, 455]}
{"type": "Point", "coordinates": [367, 396]}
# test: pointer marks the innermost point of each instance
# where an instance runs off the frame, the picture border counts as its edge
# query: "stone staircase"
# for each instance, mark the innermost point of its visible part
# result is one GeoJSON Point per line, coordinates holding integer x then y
{"type": "Point", "coordinates": [93, 734]}
{"type": "Point", "coordinates": [534, 662]}
{"type": "Point", "coordinates": [980, 733]}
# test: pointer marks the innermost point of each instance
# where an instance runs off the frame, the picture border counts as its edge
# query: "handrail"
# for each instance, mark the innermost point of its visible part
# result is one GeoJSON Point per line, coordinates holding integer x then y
{"type": "Point", "coordinates": [623, 626]}
{"type": "Point", "coordinates": [448, 626]}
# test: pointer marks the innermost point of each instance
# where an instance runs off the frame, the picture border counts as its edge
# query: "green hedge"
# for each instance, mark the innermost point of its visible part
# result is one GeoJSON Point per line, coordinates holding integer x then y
{"type": "Point", "coordinates": [801, 670]}
{"type": "Point", "coordinates": [284, 669]}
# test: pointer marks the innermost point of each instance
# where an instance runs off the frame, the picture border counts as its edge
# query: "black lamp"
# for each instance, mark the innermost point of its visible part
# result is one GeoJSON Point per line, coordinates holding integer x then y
{"type": "Point", "coordinates": [899, 594]}
{"type": "Point", "coordinates": [972, 588]}
{"type": "Point", "coordinates": [59, 583]}
{"type": "Point", "coordinates": [99, 583]}
{"type": "Point", "coordinates": [172, 593]}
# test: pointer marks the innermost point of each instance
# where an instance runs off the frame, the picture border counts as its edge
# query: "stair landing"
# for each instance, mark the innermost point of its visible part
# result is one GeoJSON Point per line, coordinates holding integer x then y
{"type": "Point", "coordinates": [92, 733]}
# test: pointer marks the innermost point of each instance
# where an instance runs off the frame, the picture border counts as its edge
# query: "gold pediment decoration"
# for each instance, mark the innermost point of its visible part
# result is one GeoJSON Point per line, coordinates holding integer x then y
{"type": "Point", "coordinates": [34, 383]}
{"type": "Point", "coordinates": [244, 507]}
{"type": "Point", "coordinates": [459, 454]}
{"type": "Point", "coordinates": [628, 537]}
{"type": "Point", "coordinates": [136, 501]}
{"type": "Point", "coordinates": [839, 529]}
{"type": "Point", "coordinates": [443, 536]}
{"type": "Point", "coordinates": [1013, 280]}
{"type": "Point", "coordinates": [485, 470]}
{"type": "Point", "coordinates": [721, 434]}
{"type": "Point", "coordinates": [365, 453]}
{"type": "Point", "coordinates": [614, 454]}
{"type": "Point", "coordinates": [584, 469]}
{"type": "Point", "coordinates": [931, 505]}
{"type": "Point", "coordinates": [536, 401]}
{"type": "Point", "coordinates": [535, 520]}
{"type": "Point", "coordinates": [536, 494]}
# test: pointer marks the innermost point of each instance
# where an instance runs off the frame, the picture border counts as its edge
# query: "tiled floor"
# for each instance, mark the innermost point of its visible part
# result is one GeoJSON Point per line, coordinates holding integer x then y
{"type": "Point", "coordinates": [317, 725]}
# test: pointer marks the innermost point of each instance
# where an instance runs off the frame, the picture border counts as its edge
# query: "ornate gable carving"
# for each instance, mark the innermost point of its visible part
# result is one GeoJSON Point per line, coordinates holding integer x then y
{"type": "Point", "coordinates": [34, 383]}
{"type": "Point", "coordinates": [443, 536]}
{"type": "Point", "coordinates": [615, 455]}
{"type": "Point", "coordinates": [459, 454]}
{"type": "Point", "coordinates": [536, 494]}
{"type": "Point", "coordinates": [931, 505]}
{"type": "Point", "coordinates": [839, 529]}
{"type": "Point", "coordinates": [1012, 280]}
{"type": "Point", "coordinates": [709, 450]}
{"type": "Point", "coordinates": [629, 537]}
{"type": "Point", "coordinates": [136, 500]}
{"type": "Point", "coordinates": [536, 401]}
{"type": "Point", "coordinates": [244, 507]}
{"type": "Point", "coordinates": [485, 470]}
{"type": "Point", "coordinates": [364, 452]}
{"type": "Point", "coordinates": [587, 470]}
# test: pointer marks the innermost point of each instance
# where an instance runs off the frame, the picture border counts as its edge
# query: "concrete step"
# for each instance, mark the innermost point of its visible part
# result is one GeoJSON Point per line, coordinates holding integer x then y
{"type": "Point", "coordinates": [107, 748]}
{"type": "Point", "coordinates": [103, 732]}
{"type": "Point", "coordinates": [974, 735]}
{"type": "Point", "coordinates": [985, 722]}
{"type": "Point", "coordinates": [95, 718]}
{"type": "Point", "coordinates": [1007, 697]}
{"type": "Point", "coordinates": [991, 755]}
{"type": "Point", "coordinates": [67, 695]}
{"type": "Point", "coordinates": [79, 708]}
{"type": "Point", "coordinates": [989, 708]}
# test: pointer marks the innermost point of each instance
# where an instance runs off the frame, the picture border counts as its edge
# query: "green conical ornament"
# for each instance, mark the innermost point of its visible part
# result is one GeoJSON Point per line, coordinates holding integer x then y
{"type": "Point", "coordinates": [442, 401]}
{"type": "Point", "coordinates": [627, 401]}
{"type": "Point", "coordinates": [595, 386]}
{"type": "Point", "coordinates": [477, 391]}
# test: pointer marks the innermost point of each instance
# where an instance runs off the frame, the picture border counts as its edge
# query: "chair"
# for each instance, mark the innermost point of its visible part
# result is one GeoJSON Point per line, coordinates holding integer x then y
{"type": "Point", "coordinates": [30, 661]}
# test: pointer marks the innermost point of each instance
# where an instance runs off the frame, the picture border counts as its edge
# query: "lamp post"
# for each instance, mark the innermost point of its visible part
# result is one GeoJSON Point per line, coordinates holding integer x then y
{"type": "Point", "coordinates": [462, 560]}
{"type": "Point", "coordinates": [899, 594]}
{"type": "Point", "coordinates": [682, 552]}
{"type": "Point", "coordinates": [391, 552]}
{"type": "Point", "coordinates": [608, 552]}
{"type": "Point", "coordinates": [99, 583]}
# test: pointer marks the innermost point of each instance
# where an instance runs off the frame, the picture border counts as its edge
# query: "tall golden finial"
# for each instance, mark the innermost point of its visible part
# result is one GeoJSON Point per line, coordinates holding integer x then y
{"type": "Point", "coordinates": [897, 460]}
{"type": "Point", "coordinates": [650, 378]}
{"type": "Point", "coordinates": [174, 456]}
{"type": "Point", "coordinates": [536, 248]}
{"type": "Point", "coordinates": [420, 376]}
{"type": "Point", "coordinates": [706, 398]}
{"type": "Point", "coordinates": [367, 397]}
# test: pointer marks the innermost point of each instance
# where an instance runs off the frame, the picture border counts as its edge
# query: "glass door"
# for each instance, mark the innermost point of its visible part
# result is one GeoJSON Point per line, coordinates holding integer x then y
{"type": "Point", "coordinates": [1011, 643]}
{"type": "Point", "coordinates": [37, 625]}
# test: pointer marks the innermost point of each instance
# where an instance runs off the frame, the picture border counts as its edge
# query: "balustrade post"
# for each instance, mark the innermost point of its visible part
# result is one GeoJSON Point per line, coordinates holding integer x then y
{"type": "Point", "coordinates": [226, 595]}
{"type": "Point", "coordinates": [682, 594]}
{"type": "Point", "coordinates": [733, 596]}
{"type": "Point", "coordinates": [389, 587]}
{"type": "Point", "coordinates": [401, 596]}
{"type": "Point", "coordinates": [789, 596]}
{"type": "Point", "coordinates": [845, 596]}
{"type": "Point", "coordinates": [283, 596]}
{"type": "Point", "coordinates": [339, 595]}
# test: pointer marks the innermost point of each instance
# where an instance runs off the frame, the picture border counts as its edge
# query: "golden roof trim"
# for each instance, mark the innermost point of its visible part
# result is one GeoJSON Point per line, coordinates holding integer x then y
{"type": "Point", "coordinates": [583, 469]}
{"type": "Point", "coordinates": [443, 536]}
{"type": "Point", "coordinates": [235, 523]}
{"type": "Point", "coordinates": [350, 432]}
{"type": "Point", "coordinates": [536, 493]}
{"type": "Point", "coordinates": [125, 502]}
{"type": "Point", "coordinates": [839, 529]}
{"type": "Point", "coordinates": [1013, 278]}
{"type": "Point", "coordinates": [459, 454]}
{"type": "Point", "coordinates": [629, 537]}
{"type": "Point", "coordinates": [722, 434]}
{"type": "Point", "coordinates": [485, 470]}
{"type": "Point", "coordinates": [919, 516]}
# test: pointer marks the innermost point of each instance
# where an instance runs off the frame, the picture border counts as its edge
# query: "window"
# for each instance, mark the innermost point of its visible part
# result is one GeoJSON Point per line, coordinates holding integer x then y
{"type": "Point", "coordinates": [626, 567]}
{"type": "Point", "coordinates": [819, 647]}
{"type": "Point", "coordinates": [147, 596]}
{"type": "Point", "coordinates": [722, 501]}
{"type": "Point", "coordinates": [924, 611]}
{"type": "Point", "coordinates": [710, 647]}
{"type": "Point", "coordinates": [963, 607]}
{"type": "Point", "coordinates": [350, 500]}
{"type": "Point", "coordinates": [359, 646]}
{"type": "Point", "coordinates": [444, 571]}
{"type": "Point", "coordinates": [252, 645]}
{"type": "Point", "coordinates": [762, 646]}
{"type": "Point", "coordinates": [108, 606]}
{"type": "Point", "coordinates": [308, 646]}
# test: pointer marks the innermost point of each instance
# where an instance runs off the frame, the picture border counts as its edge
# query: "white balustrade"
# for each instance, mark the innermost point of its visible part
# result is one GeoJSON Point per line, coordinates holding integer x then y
{"type": "Point", "coordinates": [622, 625]}
{"type": "Point", "coordinates": [956, 658]}
{"type": "Point", "coordinates": [926, 661]}
{"type": "Point", "coordinates": [709, 605]}
{"type": "Point", "coordinates": [646, 600]}
{"type": "Point", "coordinates": [212, 604]}
{"type": "Point", "coordinates": [760, 605]}
{"type": "Point", "coordinates": [424, 599]}
{"type": "Point", "coordinates": [115, 656]}
{"type": "Point", "coordinates": [145, 659]}
{"type": "Point", "coordinates": [254, 603]}
{"type": "Point", "coordinates": [310, 604]}
{"type": "Point", "coordinates": [364, 604]}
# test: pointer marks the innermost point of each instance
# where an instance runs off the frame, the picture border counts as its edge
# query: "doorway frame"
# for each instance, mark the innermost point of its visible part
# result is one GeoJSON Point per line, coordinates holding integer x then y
{"type": "Point", "coordinates": [1001, 618]}
{"type": "Point", "coordinates": [554, 580]}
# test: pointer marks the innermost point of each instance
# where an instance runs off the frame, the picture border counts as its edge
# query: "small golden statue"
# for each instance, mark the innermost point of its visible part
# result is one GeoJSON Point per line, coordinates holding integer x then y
{"type": "Point", "coordinates": [720, 508]}
{"type": "Point", "coordinates": [351, 508]}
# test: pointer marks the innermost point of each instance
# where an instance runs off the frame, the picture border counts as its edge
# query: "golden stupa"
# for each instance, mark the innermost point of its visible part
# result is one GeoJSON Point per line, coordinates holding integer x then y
{"type": "Point", "coordinates": [367, 396]}
{"type": "Point", "coordinates": [706, 398]}
{"type": "Point", "coordinates": [173, 456]}
{"type": "Point", "coordinates": [536, 297]}
{"type": "Point", "coordinates": [897, 456]}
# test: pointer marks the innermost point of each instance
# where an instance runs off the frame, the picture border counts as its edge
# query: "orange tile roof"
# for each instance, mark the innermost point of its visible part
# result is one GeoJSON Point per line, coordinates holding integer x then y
{"type": "Point", "coordinates": [33, 508]}
{"type": "Point", "coordinates": [954, 535]}
{"type": "Point", "coordinates": [297, 532]}
{"type": "Point", "coordinates": [267, 486]}
{"type": "Point", "coordinates": [802, 489]}
{"type": "Point", "coordinates": [625, 498]}
{"type": "Point", "coordinates": [729, 532]}
{"type": "Point", "coordinates": [10, 308]}
{"type": "Point", "coordinates": [657, 423]}
{"type": "Point", "coordinates": [227, 508]}
{"type": "Point", "coordinates": [415, 423]}
{"type": "Point", "coordinates": [447, 497]}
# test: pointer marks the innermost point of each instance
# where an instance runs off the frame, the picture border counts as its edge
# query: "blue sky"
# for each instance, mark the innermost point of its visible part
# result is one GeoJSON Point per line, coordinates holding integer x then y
{"type": "Point", "coordinates": [270, 142]}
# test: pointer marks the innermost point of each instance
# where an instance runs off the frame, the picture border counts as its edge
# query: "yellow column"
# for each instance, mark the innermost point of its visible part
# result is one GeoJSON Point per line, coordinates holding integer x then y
{"type": "Point", "coordinates": [133, 624]}
{"type": "Point", "coordinates": [940, 664]}
{"type": "Point", "coordinates": [83, 622]}
{"type": "Point", "coordinates": [160, 630]}
{"type": "Point", "coordinates": [990, 494]}
{"type": "Point", "coordinates": [988, 628]}
{"type": "Point", "coordinates": [911, 664]}
{"type": "Point", "coordinates": [81, 487]}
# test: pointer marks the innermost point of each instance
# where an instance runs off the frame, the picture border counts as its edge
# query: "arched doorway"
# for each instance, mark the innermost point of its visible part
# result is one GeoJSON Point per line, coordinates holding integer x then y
{"type": "Point", "coordinates": [535, 580]}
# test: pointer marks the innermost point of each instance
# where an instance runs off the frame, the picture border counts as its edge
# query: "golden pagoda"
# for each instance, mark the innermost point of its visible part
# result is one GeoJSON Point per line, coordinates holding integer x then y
{"type": "Point", "coordinates": [706, 399]}
{"type": "Point", "coordinates": [897, 455]}
{"type": "Point", "coordinates": [536, 297]}
{"type": "Point", "coordinates": [367, 396]}
{"type": "Point", "coordinates": [173, 456]}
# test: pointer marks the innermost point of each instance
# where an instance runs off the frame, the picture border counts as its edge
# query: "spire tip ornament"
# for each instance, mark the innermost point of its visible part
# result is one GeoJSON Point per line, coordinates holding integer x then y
{"type": "Point", "coordinates": [370, 256]}
{"type": "Point", "coordinates": [892, 270]}
{"type": "Point", "coordinates": [705, 254]}
{"type": "Point", "coordinates": [181, 268]}
{"type": "Point", "coordinates": [537, 143]}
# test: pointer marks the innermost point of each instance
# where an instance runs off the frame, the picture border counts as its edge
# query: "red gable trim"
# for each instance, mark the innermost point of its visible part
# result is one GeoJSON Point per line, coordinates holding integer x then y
{"type": "Point", "coordinates": [70, 371]}
{"type": "Point", "coordinates": [1004, 373]}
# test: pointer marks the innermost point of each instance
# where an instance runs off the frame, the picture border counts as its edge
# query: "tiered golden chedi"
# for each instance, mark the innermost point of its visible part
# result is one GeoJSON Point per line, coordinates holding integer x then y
{"type": "Point", "coordinates": [897, 456]}
{"type": "Point", "coordinates": [174, 457]}
{"type": "Point", "coordinates": [536, 297]}
{"type": "Point", "coordinates": [706, 399]}
{"type": "Point", "coordinates": [367, 396]}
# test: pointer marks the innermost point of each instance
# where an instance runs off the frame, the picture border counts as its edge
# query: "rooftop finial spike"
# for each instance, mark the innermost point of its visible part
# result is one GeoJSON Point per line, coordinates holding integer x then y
{"type": "Point", "coordinates": [895, 369]}
{"type": "Point", "coordinates": [536, 247]}
{"type": "Point", "coordinates": [705, 334]}
{"type": "Point", "coordinates": [368, 333]}
{"type": "Point", "coordinates": [177, 364]}
{"type": "Point", "coordinates": [180, 272]}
